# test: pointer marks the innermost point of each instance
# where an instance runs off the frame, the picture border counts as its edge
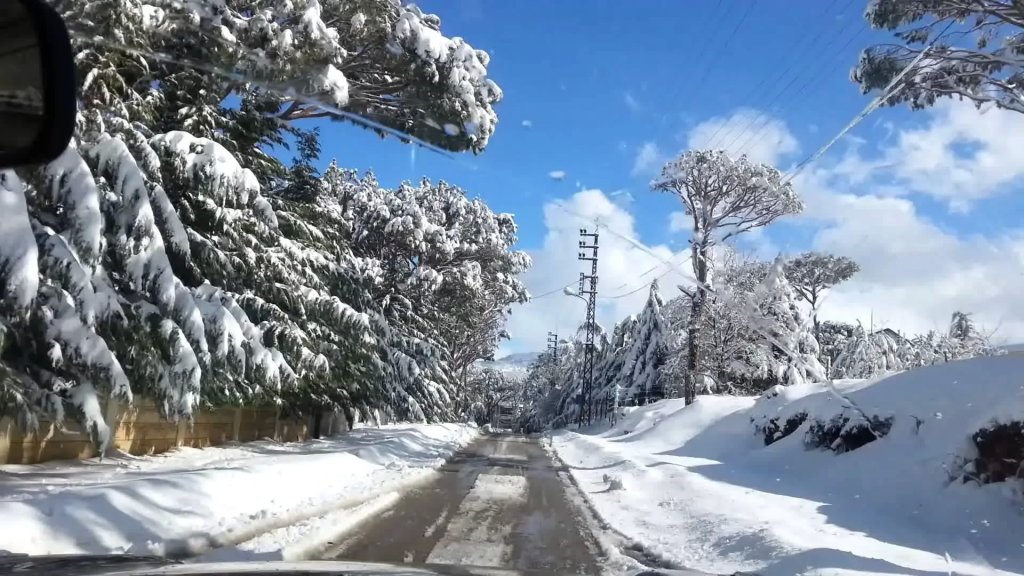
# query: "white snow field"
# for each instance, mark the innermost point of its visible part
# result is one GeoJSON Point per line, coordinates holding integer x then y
{"type": "Point", "coordinates": [265, 495]}
{"type": "Point", "coordinates": [697, 487]}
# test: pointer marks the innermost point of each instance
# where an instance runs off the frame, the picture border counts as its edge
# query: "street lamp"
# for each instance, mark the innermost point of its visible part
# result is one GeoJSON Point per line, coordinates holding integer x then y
{"type": "Point", "coordinates": [570, 292]}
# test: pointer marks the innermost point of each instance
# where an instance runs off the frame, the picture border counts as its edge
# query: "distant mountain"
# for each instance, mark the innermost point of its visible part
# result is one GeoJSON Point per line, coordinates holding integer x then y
{"type": "Point", "coordinates": [514, 365]}
{"type": "Point", "coordinates": [1014, 348]}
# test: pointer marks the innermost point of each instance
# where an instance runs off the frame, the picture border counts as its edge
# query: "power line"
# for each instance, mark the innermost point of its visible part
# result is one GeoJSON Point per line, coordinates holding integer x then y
{"type": "Point", "coordinates": [701, 50]}
{"type": "Point", "coordinates": [797, 48]}
{"type": "Point", "coordinates": [817, 71]}
{"type": "Point", "coordinates": [646, 284]}
{"type": "Point", "coordinates": [890, 89]}
{"type": "Point", "coordinates": [716, 55]}
{"type": "Point", "coordinates": [824, 65]}
{"type": "Point", "coordinates": [550, 292]}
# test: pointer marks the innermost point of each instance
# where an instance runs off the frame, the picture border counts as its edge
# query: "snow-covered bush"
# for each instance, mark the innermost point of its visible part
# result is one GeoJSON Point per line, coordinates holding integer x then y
{"type": "Point", "coordinates": [828, 419]}
{"type": "Point", "coordinates": [775, 429]}
{"type": "Point", "coordinates": [848, 430]}
{"type": "Point", "coordinates": [998, 453]}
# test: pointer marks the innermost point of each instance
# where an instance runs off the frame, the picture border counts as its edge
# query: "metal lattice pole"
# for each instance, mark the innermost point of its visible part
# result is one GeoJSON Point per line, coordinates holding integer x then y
{"type": "Point", "coordinates": [588, 242]}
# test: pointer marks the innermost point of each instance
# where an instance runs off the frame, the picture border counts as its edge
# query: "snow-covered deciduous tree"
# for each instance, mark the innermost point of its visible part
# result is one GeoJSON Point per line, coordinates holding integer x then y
{"type": "Point", "coordinates": [812, 273]}
{"type": "Point", "coordinates": [486, 390]}
{"type": "Point", "coordinates": [864, 355]}
{"type": "Point", "coordinates": [977, 51]}
{"type": "Point", "coordinates": [782, 327]}
{"type": "Point", "coordinates": [723, 198]}
{"type": "Point", "coordinates": [735, 354]}
{"type": "Point", "coordinates": [965, 340]}
{"type": "Point", "coordinates": [832, 337]}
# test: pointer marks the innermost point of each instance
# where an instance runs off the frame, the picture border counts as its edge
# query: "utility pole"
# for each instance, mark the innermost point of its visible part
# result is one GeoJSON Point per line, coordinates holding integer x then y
{"type": "Point", "coordinates": [588, 242]}
{"type": "Point", "coordinates": [552, 360]}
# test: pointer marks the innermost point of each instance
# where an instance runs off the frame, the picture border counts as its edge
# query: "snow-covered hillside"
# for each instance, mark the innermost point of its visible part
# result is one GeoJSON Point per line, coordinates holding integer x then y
{"type": "Point", "coordinates": [700, 487]}
{"type": "Point", "coordinates": [515, 366]}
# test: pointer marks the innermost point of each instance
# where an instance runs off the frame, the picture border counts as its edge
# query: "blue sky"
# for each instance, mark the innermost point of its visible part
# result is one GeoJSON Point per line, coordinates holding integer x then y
{"type": "Point", "coordinates": [592, 80]}
{"type": "Point", "coordinates": [601, 81]}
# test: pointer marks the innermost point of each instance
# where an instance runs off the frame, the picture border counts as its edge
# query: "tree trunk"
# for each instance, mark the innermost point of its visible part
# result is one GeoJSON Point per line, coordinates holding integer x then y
{"type": "Point", "coordinates": [350, 417]}
{"type": "Point", "coordinates": [693, 367]}
{"type": "Point", "coordinates": [318, 418]}
{"type": "Point", "coordinates": [814, 316]}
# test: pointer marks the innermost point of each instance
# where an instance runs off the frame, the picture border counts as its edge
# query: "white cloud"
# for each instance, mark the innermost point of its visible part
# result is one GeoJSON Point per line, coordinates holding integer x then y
{"type": "Point", "coordinates": [630, 101]}
{"type": "Point", "coordinates": [557, 174]}
{"type": "Point", "coordinates": [648, 159]}
{"type": "Point", "coordinates": [679, 222]}
{"type": "Point", "coordinates": [746, 131]}
{"type": "Point", "coordinates": [861, 204]}
{"type": "Point", "coordinates": [622, 197]}
{"type": "Point", "coordinates": [527, 123]}
{"type": "Point", "coordinates": [960, 155]}
{"type": "Point", "coordinates": [621, 269]}
{"type": "Point", "coordinates": [913, 273]}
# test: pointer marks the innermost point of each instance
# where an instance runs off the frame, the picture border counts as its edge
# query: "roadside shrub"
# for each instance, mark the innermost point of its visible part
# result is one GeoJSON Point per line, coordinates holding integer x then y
{"type": "Point", "coordinates": [846, 431]}
{"type": "Point", "coordinates": [999, 453]}
{"type": "Point", "coordinates": [772, 431]}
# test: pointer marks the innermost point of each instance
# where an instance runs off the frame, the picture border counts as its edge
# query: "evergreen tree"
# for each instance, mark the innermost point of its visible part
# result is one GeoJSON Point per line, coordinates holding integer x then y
{"type": "Point", "coordinates": [647, 351]}
{"type": "Point", "coordinates": [168, 252]}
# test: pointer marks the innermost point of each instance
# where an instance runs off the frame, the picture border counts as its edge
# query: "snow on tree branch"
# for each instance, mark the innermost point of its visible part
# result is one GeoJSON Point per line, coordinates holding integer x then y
{"type": "Point", "coordinates": [977, 52]}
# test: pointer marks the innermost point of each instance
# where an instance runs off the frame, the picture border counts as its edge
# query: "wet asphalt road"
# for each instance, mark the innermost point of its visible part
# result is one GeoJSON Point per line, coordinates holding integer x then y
{"type": "Point", "coordinates": [499, 503]}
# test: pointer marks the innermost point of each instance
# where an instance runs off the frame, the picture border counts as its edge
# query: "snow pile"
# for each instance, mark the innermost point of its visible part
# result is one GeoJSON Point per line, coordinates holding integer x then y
{"type": "Point", "coordinates": [699, 487]}
{"type": "Point", "coordinates": [188, 501]}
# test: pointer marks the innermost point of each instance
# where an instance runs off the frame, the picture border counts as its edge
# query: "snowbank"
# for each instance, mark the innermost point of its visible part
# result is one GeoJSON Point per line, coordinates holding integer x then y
{"type": "Point", "coordinates": [189, 501]}
{"type": "Point", "coordinates": [699, 487]}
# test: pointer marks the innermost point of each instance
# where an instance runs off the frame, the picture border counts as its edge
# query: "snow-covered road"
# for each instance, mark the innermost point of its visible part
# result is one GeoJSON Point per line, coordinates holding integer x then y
{"type": "Point", "coordinates": [186, 502]}
{"type": "Point", "coordinates": [501, 503]}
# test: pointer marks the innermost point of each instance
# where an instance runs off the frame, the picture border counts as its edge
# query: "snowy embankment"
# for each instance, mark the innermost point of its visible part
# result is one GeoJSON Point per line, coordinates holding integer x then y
{"type": "Point", "coordinates": [263, 495]}
{"type": "Point", "coordinates": [699, 487]}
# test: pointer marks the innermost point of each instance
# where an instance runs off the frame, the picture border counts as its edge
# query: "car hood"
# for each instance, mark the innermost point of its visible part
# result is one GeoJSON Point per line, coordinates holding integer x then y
{"type": "Point", "coordinates": [127, 565]}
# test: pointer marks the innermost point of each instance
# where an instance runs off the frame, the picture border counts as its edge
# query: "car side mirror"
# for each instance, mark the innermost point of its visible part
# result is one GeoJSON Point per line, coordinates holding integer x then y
{"type": "Point", "coordinates": [37, 84]}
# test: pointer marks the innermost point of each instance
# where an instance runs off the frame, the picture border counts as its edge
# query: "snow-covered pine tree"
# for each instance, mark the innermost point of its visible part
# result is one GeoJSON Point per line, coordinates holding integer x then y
{"type": "Point", "coordinates": [443, 269]}
{"type": "Point", "coordinates": [647, 351]}
{"type": "Point", "coordinates": [411, 77]}
{"type": "Point", "coordinates": [108, 299]}
{"type": "Point", "coordinates": [984, 66]}
{"type": "Point", "coordinates": [162, 245]}
{"type": "Point", "coordinates": [611, 379]}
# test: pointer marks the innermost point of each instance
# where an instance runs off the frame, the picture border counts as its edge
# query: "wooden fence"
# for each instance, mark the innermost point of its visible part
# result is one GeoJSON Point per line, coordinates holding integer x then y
{"type": "Point", "coordinates": [139, 429]}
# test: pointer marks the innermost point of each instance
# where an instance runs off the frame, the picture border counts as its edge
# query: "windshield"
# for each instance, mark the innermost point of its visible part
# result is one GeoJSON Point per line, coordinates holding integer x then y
{"type": "Point", "coordinates": [547, 287]}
